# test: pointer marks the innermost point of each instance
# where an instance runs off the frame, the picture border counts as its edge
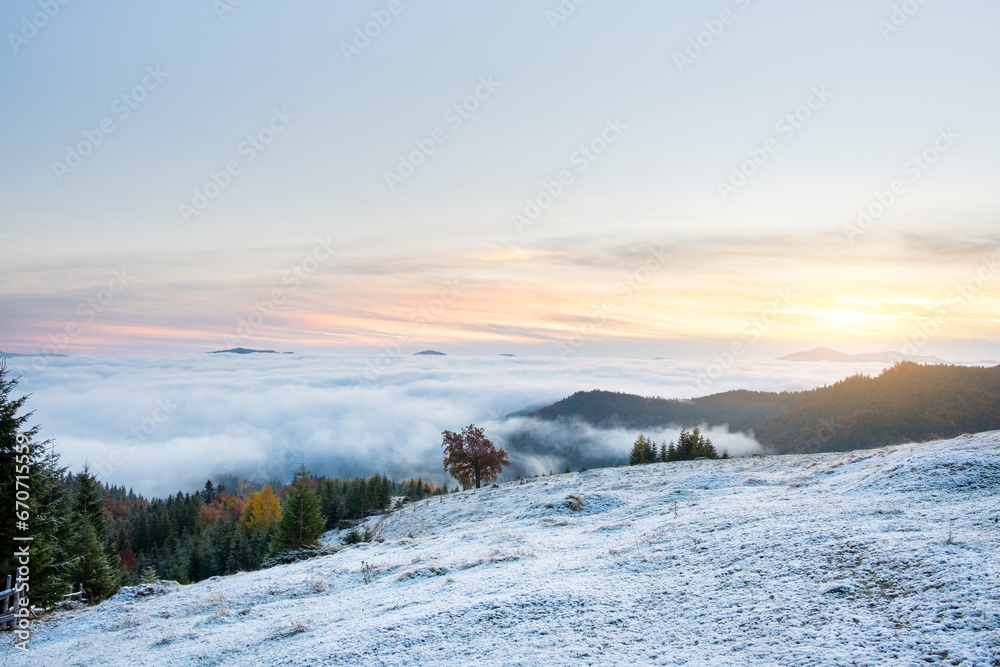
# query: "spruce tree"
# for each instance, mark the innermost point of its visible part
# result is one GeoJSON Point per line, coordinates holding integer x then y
{"type": "Point", "coordinates": [643, 451]}
{"type": "Point", "coordinates": [208, 493]}
{"type": "Point", "coordinates": [301, 521]}
{"type": "Point", "coordinates": [90, 566]}
{"type": "Point", "coordinates": [384, 495]}
{"type": "Point", "coordinates": [88, 503]}
{"type": "Point", "coordinates": [331, 502]}
{"type": "Point", "coordinates": [240, 559]}
{"type": "Point", "coordinates": [32, 499]}
{"type": "Point", "coordinates": [90, 563]}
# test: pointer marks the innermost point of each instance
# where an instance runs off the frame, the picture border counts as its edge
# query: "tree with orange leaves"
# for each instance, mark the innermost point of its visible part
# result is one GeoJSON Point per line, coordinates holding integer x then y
{"type": "Point", "coordinates": [471, 458]}
{"type": "Point", "coordinates": [261, 510]}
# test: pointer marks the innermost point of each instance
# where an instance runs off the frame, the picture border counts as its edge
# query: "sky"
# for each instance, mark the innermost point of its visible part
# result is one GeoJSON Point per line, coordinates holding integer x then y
{"type": "Point", "coordinates": [163, 423]}
{"type": "Point", "coordinates": [587, 178]}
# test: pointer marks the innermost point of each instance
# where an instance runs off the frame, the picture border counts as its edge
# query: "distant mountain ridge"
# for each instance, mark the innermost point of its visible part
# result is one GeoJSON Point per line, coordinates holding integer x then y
{"type": "Point", "coordinates": [905, 403]}
{"type": "Point", "coordinates": [429, 353]}
{"type": "Point", "coordinates": [11, 355]}
{"type": "Point", "coordinates": [246, 350]}
{"type": "Point", "coordinates": [827, 354]}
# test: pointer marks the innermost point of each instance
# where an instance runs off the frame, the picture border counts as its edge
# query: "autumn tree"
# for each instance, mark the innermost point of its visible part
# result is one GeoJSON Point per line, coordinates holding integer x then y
{"type": "Point", "coordinates": [261, 510]}
{"type": "Point", "coordinates": [471, 458]}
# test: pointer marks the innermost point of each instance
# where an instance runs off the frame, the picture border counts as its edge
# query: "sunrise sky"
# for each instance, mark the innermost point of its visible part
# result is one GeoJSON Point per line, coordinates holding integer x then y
{"type": "Point", "coordinates": [628, 179]}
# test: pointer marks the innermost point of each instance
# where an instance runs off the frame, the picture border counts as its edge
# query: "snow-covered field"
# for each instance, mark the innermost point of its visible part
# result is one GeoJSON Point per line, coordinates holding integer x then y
{"type": "Point", "coordinates": [886, 556]}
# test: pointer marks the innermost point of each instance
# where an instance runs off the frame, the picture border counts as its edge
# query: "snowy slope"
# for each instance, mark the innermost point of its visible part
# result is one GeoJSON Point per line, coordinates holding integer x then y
{"type": "Point", "coordinates": [886, 556]}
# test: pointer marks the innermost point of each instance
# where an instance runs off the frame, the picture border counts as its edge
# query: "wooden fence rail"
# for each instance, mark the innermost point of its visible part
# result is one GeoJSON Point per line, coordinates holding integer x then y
{"type": "Point", "coordinates": [9, 601]}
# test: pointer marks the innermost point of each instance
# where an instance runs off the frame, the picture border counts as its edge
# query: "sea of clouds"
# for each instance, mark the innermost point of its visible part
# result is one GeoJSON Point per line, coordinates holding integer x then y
{"type": "Point", "coordinates": [160, 424]}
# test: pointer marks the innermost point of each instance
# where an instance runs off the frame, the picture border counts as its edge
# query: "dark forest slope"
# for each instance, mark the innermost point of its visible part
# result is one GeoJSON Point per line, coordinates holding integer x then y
{"type": "Point", "coordinates": [908, 402]}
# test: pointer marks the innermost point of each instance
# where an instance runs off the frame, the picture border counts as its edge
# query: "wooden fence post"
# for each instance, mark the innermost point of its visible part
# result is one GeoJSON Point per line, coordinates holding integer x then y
{"type": "Point", "coordinates": [9, 603]}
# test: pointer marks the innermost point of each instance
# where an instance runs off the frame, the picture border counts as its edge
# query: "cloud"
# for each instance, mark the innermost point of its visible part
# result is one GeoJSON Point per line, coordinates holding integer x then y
{"type": "Point", "coordinates": [538, 446]}
{"type": "Point", "coordinates": [164, 423]}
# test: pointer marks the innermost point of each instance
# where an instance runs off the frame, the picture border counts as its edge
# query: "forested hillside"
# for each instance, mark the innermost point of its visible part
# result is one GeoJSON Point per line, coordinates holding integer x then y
{"type": "Point", "coordinates": [907, 402]}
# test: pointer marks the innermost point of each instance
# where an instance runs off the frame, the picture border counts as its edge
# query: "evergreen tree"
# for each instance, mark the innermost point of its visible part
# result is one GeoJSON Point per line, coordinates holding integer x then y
{"type": "Point", "coordinates": [90, 563]}
{"type": "Point", "coordinates": [385, 493]}
{"type": "Point", "coordinates": [331, 502]}
{"type": "Point", "coordinates": [220, 537]}
{"type": "Point", "coordinates": [88, 503]}
{"type": "Point", "coordinates": [693, 445]}
{"type": "Point", "coordinates": [354, 505]}
{"type": "Point", "coordinates": [240, 559]}
{"type": "Point", "coordinates": [643, 451]}
{"type": "Point", "coordinates": [32, 499]}
{"type": "Point", "coordinates": [196, 561]}
{"type": "Point", "coordinates": [208, 493]}
{"type": "Point", "coordinates": [149, 575]}
{"type": "Point", "coordinates": [301, 522]}
{"type": "Point", "coordinates": [90, 566]}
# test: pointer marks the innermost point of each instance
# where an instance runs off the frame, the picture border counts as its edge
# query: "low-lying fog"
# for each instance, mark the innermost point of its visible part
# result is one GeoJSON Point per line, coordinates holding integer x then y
{"type": "Point", "coordinates": [160, 424]}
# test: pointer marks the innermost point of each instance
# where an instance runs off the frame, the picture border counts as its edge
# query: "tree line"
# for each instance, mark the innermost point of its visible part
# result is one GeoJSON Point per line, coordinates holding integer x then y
{"type": "Point", "coordinates": [690, 445]}
{"type": "Point", "coordinates": [85, 533]}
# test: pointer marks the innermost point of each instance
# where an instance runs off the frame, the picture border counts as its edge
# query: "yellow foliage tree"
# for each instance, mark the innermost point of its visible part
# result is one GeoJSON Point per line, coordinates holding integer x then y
{"type": "Point", "coordinates": [261, 510]}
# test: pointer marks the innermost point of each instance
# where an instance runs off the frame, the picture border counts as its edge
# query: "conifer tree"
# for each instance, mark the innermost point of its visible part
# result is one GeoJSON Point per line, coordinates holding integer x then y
{"type": "Point", "coordinates": [385, 492]}
{"type": "Point", "coordinates": [331, 502]}
{"type": "Point", "coordinates": [88, 503]}
{"type": "Point", "coordinates": [240, 557]}
{"type": "Point", "coordinates": [301, 522]}
{"type": "Point", "coordinates": [90, 566]}
{"type": "Point", "coordinates": [643, 451]}
{"type": "Point", "coordinates": [90, 563]}
{"type": "Point", "coordinates": [32, 499]}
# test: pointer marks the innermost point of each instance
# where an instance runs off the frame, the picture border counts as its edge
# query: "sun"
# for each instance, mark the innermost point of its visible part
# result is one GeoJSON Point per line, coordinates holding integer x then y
{"type": "Point", "coordinates": [846, 317]}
